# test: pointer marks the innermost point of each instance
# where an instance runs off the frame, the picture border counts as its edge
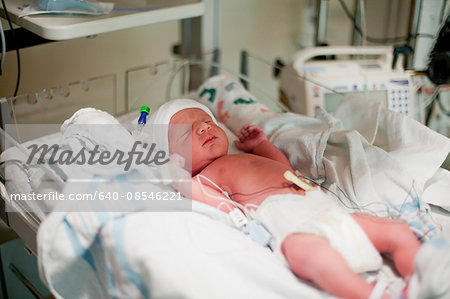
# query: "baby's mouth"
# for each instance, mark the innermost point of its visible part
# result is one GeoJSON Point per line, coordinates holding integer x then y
{"type": "Point", "coordinates": [209, 139]}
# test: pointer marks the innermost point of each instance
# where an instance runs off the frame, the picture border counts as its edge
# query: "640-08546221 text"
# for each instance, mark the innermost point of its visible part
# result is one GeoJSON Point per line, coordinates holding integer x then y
{"type": "Point", "coordinates": [99, 195]}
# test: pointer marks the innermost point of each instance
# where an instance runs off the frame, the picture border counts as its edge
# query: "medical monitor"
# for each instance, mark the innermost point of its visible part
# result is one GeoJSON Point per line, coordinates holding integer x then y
{"type": "Point", "coordinates": [312, 84]}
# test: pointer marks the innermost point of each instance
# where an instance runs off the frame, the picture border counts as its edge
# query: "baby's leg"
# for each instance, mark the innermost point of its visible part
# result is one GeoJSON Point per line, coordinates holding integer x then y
{"type": "Point", "coordinates": [391, 236]}
{"type": "Point", "coordinates": [311, 257]}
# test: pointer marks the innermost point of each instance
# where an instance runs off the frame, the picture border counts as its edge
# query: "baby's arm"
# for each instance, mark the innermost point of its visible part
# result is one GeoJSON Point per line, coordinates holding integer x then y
{"type": "Point", "coordinates": [253, 140]}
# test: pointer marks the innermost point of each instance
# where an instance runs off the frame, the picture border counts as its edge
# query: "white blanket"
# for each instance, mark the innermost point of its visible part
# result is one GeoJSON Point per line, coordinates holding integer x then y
{"type": "Point", "coordinates": [141, 254]}
{"type": "Point", "coordinates": [138, 252]}
{"type": "Point", "coordinates": [380, 161]}
{"type": "Point", "coordinates": [379, 158]}
{"type": "Point", "coordinates": [432, 270]}
{"type": "Point", "coordinates": [366, 150]}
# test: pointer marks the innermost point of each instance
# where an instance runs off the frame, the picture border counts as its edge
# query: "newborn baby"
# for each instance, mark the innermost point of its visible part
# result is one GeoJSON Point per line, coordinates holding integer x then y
{"type": "Point", "coordinates": [319, 240]}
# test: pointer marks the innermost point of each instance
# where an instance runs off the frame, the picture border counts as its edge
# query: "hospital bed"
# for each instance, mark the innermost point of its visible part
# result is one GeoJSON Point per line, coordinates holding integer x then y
{"type": "Point", "coordinates": [380, 162]}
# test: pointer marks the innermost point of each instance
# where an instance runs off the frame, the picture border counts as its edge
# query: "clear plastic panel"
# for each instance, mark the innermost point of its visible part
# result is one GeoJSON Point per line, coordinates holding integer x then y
{"type": "Point", "coordinates": [56, 104]}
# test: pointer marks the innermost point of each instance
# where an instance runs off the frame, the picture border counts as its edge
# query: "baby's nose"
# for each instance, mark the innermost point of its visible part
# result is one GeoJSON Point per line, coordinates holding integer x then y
{"type": "Point", "coordinates": [202, 127]}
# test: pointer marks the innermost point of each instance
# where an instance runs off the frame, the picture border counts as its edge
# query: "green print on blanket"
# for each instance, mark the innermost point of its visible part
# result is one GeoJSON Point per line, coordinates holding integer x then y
{"type": "Point", "coordinates": [242, 101]}
{"type": "Point", "coordinates": [212, 94]}
{"type": "Point", "coordinates": [211, 91]}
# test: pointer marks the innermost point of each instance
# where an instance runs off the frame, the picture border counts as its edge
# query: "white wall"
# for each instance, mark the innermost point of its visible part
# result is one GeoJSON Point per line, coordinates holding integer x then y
{"type": "Point", "coordinates": [268, 29]}
{"type": "Point", "coordinates": [59, 63]}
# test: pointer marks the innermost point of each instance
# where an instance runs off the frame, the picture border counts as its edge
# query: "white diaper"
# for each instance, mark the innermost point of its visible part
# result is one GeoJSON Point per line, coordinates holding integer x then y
{"type": "Point", "coordinates": [317, 214]}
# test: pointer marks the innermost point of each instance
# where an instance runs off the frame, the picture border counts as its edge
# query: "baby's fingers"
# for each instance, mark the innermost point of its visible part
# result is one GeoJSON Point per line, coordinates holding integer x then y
{"type": "Point", "coordinates": [254, 129]}
{"type": "Point", "coordinates": [246, 133]}
{"type": "Point", "coordinates": [240, 136]}
{"type": "Point", "coordinates": [243, 133]}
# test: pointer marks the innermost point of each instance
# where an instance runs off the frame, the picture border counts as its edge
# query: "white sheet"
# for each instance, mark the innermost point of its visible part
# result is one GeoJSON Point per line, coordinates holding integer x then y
{"type": "Point", "coordinates": [375, 156]}
{"type": "Point", "coordinates": [379, 151]}
{"type": "Point", "coordinates": [200, 255]}
{"type": "Point", "coordinates": [437, 189]}
{"type": "Point", "coordinates": [164, 255]}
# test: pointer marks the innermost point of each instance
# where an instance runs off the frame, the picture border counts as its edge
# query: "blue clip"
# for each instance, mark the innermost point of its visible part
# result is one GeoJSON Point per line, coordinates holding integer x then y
{"type": "Point", "coordinates": [258, 233]}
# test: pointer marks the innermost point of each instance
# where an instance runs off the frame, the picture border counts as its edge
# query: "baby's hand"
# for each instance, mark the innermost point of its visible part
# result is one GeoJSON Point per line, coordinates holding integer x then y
{"type": "Point", "coordinates": [249, 137]}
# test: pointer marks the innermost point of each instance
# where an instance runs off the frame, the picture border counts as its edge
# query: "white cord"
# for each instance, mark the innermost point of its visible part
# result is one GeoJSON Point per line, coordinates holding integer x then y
{"type": "Point", "coordinates": [223, 203]}
{"type": "Point", "coordinates": [251, 209]}
{"type": "Point", "coordinates": [187, 78]}
{"type": "Point", "coordinates": [214, 184]}
{"type": "Point", "coordinates": [362, 8]}
{"type": "Point", "coordinates": [227, 197]}
{"type": "Point", "coordinates": [431, 98]}
{"type": "Point", "coordinates": [2, 36]}
{"type": "Point", "coordinates": [378, 290]}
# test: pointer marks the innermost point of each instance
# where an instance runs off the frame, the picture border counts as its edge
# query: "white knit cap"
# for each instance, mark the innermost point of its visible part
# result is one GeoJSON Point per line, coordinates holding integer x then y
{"type": "Point", "coordinates": [164, 113]}
{"type": "Point", "coordinates": [161, 118]}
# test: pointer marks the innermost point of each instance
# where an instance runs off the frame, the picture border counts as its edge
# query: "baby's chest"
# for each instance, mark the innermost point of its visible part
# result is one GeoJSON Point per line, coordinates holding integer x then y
{"type": "Point", "coordinates": [245, 175]}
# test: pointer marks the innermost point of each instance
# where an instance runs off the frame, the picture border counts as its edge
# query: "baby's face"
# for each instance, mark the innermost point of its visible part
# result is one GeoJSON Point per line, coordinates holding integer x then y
{"type": "Point", "coordinates": [209, 141]}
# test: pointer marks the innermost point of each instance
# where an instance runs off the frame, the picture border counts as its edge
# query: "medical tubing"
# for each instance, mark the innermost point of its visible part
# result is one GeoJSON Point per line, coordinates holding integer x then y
{"type": "Point", "coordinates": [444, 5]}
{"type": "Point", "coordinates": [50, 172]}
{"type": "Point", "coordinates": [431, 99]}
{"type": "Point", "coordinates": [187, 77]}
{"type": "Point", "coordinates": [355, 207]}
{"type": "Point", "coordinates": [2, 36]}
{"type": "Point", "coordinates": [223, 203]}
{"type": "Point", "coordinates": [363, 19]}
{"type": "Point", "coordinates": [16, 46]}
{"type": "Point", "coordinates": [262, 190]}
{"type": "Point", "coordinates": [200, 62]}
{"type": "Point", "coordinates": [386, 207]}
{"type": "Point", "coordinates": [227, 199]}
{"type": "Point", "coordinates": [296, 75]}
{"type": "Point", "coordinates": [132, 102]}
{"type": "Point", "coordinates": [19, 163]}
{"type": "Point", "coordinates": [441, 106]}
{"type": "Point", "coordinates": [249, 213]}
{"type": "Point", "coordinates": [434, 98]}
{"type": "Point", "coordinates": [375, 39]}
{"type": "Point", "coordinates": [430, 102]}
{"type": "Point", "coordinates": [321, 186]}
